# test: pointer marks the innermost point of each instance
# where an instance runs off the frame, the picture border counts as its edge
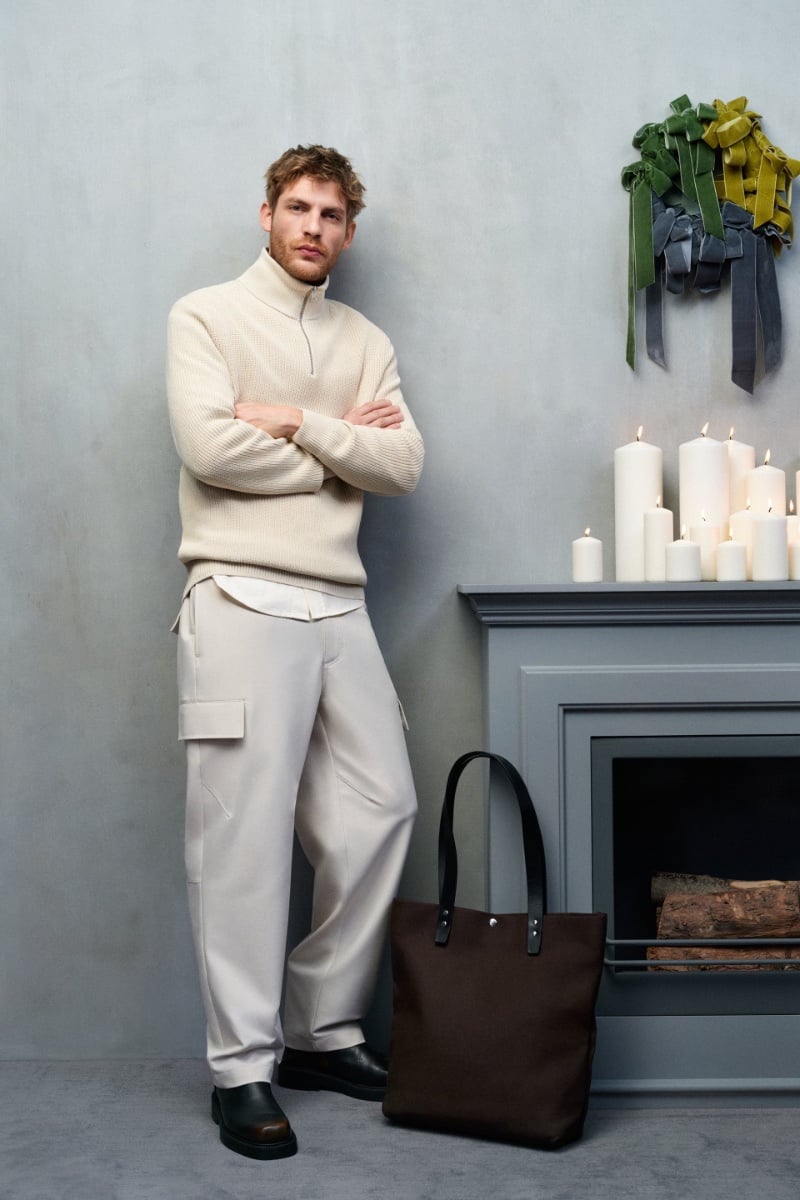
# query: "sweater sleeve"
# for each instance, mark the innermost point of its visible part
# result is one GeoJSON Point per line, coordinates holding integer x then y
{"type": "Point", "coordinates": [212, 445]}
{"type": "Point", "coordinates": [387, 462]}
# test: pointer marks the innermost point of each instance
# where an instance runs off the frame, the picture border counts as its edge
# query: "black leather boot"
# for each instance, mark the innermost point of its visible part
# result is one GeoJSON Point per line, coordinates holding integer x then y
{"type": "Point", "coordinates": [251, 1121]}
{"type": "Point", "coordinates": [356, 1071]}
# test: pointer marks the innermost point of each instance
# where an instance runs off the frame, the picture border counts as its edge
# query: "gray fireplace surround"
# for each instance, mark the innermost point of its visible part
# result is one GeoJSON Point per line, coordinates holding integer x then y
{"type": "Point", "coordinates": [571, 669]}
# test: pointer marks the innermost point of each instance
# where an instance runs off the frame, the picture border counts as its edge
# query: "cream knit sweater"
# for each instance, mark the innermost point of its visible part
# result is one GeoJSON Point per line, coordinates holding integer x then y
{"type": "Point", "coordinates": [286, 510]}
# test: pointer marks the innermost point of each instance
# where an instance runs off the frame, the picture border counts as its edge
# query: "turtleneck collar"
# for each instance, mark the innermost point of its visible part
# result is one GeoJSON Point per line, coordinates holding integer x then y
{"type": "Point", "coordinates": [268, 282]}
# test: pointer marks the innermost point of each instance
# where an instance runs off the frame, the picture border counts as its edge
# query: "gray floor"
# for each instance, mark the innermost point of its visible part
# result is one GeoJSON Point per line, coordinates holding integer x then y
{"type": "Point", "coordinates": [142, 1131]}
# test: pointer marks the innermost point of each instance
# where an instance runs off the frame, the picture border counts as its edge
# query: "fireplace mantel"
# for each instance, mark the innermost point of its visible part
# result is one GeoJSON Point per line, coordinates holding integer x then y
{"type": "Point", "coordinates": [564, 665]}
{"type": "Point", "coordinates": [635, 603]}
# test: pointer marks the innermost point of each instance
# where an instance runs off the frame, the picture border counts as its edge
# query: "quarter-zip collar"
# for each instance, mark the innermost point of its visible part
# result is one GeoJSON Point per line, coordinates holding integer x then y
{"type": "Point", "coordinates": [268, 282]}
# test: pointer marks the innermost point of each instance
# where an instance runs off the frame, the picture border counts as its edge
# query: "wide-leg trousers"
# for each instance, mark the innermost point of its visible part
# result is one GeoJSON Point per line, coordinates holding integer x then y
{"type": "Point", "coordinates": [287, 724]}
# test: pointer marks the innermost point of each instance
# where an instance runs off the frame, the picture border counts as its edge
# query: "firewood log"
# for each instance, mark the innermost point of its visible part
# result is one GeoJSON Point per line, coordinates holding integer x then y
{"type": "Point", "coordinates": [669, 881]}
{"type": "Point", "coordinates": [768, 911]}
{"type": "Point", "coordinates": [705, 958]}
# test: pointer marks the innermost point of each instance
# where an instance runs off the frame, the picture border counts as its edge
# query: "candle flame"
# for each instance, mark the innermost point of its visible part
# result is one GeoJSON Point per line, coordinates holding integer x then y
{"type": "Point", "coordinates": [586, 532]}
{"type": "Point", "coordinates": [748, 505]}
{"type": "Point", "coordinates": [766, 458]}
{"type": "Point", "coordinates": [703, 516]}
{"type": "Point", "coordinates": [639, 433]}
{"type": "Point", "coordinates": [704, 430]}
{"type": "Point", "coordinates": [791, 508]}
{"type": "Point", "coordinates": [769, 506]}
{"type": "Point", "coordinates": [683, 532]}
{"type": "Point", "coordinates": [658, 502]}
{"type": "Point", "coordinates": [730, 435]}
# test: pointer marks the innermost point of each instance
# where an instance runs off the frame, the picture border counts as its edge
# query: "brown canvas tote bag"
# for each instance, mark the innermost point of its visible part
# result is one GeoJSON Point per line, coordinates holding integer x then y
{"type": "Point", "coordinates": [493, 1030]}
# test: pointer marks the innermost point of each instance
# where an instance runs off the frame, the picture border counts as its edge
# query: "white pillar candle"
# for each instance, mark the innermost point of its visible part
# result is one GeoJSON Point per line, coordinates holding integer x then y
{"type": "Point", "coordinates": [731, 561]}
{"type": "Point", "coordinates": [770, 547]}
{"type": "Point", "coordinates": [637, 480]}
{"type": "Point", "coordinates": [741, 530]}
{"type": "Point", "coordinates": [703, 481]}
{"type": "Point", "coordinates": [794, 560]}
{"type": "Point", "coordinates": [658, 533]}
{"type": "Point", "coordinates": [707, 537]}
{"type": "Point", "coordinates": [587, 559]}
{"type": "Point", "coordinates": [683, 561]}
{"type": "Point", "coordinates": [766, 489]}
{"type": "Point", "coordinates": [741, 459]}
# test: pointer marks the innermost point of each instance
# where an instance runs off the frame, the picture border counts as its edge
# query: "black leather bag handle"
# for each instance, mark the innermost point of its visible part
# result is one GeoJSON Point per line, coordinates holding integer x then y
{"type": "Point", "coordinates": [531, 842]}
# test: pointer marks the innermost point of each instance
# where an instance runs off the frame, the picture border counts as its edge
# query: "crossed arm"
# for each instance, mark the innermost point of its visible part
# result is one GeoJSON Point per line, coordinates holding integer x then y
{"type": "Point", "coordinates": [354, 447]}
{"type": "Point", "coordinates": [280, 449]}
{"type": "Point", "coordinates": [282, 421]}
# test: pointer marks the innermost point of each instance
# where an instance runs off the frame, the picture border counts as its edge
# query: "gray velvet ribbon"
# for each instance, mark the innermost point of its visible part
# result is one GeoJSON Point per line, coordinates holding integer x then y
{"type": "Point", "coordinates": [687, 256]}
{"type": "Point", "coordinates": [744, 299]}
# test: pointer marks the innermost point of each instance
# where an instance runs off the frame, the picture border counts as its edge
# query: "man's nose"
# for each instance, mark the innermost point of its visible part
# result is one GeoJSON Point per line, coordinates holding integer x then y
{"type": "Point", "coordinates": [313, 224]}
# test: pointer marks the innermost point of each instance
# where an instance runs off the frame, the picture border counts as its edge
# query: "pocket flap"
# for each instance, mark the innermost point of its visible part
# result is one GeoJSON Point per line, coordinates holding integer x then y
{"type": "Point", "coordinates": [210, 719]}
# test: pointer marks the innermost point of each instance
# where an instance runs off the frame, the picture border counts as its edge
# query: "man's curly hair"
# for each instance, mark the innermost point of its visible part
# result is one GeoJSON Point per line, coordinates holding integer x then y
{"type": "Point", "coordinates": [320, 162]}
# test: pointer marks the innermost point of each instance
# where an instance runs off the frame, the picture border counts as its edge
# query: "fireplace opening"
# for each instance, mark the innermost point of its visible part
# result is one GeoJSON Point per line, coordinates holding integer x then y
{"type": "Point", "coordinates": [666, 811]}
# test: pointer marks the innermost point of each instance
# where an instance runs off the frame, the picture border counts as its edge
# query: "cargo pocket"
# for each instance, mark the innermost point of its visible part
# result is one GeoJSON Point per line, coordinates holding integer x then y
{"type": "Point", "coordinates": [213, 731]}
{"type": "Point", "coordinates": [202, 719]}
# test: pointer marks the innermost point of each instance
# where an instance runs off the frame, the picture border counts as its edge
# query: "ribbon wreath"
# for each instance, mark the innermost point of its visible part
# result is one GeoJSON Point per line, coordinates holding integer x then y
{"type": "Point", "coordinates": [710, 195]}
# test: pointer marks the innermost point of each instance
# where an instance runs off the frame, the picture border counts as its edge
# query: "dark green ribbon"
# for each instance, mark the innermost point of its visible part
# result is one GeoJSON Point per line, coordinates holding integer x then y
{"type": "Point", "coordinates": [642, 179]}
{"type": "Point", "coordinates": [684, 131]}
{"type": "Point", "coordinates": [652, 175]}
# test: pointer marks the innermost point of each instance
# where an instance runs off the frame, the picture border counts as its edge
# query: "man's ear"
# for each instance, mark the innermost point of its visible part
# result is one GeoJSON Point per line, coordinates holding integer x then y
{"type": "Point", "coordinates": [266, 218]}
{"type": "Point", "coordinates": [351, 233]}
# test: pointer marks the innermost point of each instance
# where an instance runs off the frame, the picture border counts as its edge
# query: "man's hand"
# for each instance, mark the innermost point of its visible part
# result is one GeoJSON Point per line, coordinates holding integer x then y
{"type": "Point", "coordinates": [379, 414]}
{"type": "Point", "coordinates": [278, 420]}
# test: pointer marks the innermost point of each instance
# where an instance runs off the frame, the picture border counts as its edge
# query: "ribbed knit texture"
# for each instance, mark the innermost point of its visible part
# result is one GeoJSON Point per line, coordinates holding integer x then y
{"type": "Point", "coordinates": [280, 509]}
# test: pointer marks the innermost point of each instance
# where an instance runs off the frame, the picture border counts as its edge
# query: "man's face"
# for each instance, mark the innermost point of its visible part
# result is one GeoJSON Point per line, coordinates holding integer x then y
{"type": "Point", "coordinates": [308, 228]}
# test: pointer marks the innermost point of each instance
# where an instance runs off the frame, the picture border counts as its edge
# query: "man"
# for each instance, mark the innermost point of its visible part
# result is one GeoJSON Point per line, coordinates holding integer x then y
{"type": "Point", "coordinates": [286, 408]}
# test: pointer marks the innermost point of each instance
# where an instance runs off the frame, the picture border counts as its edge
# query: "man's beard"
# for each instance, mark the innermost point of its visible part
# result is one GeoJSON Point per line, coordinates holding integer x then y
{"type": "Point", "coordinates": [281, 252]}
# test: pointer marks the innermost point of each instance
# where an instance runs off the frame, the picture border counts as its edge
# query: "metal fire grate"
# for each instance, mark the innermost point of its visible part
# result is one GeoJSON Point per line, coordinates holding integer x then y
{"type": "Point", "coordinates": [615, 964]}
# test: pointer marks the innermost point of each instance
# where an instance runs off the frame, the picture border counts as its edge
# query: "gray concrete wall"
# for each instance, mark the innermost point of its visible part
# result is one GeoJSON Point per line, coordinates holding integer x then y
{"type": "Point", "coordinates": [493, 250]}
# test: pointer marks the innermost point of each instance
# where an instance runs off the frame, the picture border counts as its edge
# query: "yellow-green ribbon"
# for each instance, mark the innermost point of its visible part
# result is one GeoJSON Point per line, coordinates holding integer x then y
{"type": "Point", "coordinates": [755, 174]}
{"type": "Point", "coordinates": [775, 175]}
{"type": "Point", "coordinates": [729, 135]}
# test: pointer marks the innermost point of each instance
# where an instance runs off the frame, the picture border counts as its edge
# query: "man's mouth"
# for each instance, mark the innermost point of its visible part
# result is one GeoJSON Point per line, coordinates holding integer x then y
{"type": "Point", "coordinates": [310, 251]}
